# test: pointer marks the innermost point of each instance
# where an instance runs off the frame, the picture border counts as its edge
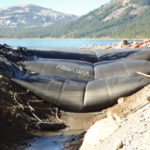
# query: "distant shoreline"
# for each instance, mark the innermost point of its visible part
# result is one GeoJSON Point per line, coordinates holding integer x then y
{"type": "Point", "coordinates": [87, 43]}
{"type": "Point", "coordinates": [86, 38]}
{"type": "Point", "coordinates": [120, 45]}
{"type": "Point", "coordinates": [77, 38]}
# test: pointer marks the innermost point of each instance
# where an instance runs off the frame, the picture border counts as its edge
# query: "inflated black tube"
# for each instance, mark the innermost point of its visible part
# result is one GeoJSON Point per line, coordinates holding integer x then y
{"type": "Point", "coordinates": [66, 68]}
{"type": "Point", "coordinates": [92, 56]}
{"type": "Point", "coordinates": [120, 67]}
{"type": "Point", "coordinates": [85, 70]}
{"type": "Point", "coordinates": [82, 55]}
{"type": "Point", "coordinates": [67, 84]}
{"type": "Point", "coordinates": [103, 93]}
{"type": "Point", "coordinates": [82, 96]}
{"type": "Point", "coordinates": [119, 54]}
{"type": "Point", "coordinates": [65, 94]}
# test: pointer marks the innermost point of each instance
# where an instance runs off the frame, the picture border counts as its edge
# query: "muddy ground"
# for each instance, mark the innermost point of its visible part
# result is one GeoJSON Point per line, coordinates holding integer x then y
{"type": "Point", "coordinates": [16, 121]}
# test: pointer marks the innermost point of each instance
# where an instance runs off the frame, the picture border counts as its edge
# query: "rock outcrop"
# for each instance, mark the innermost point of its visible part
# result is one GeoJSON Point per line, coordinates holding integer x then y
{"type": "Point", "coordinates": [127, 125]}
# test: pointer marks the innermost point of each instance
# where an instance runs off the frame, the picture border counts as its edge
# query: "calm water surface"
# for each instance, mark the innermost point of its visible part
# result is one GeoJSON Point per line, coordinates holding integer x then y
{"type": "Point", "coordinates": [55, 43]}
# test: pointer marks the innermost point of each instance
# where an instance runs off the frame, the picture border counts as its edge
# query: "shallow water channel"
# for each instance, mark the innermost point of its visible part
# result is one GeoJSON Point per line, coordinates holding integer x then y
{"type": "Point", "coordinates": [77, 122]}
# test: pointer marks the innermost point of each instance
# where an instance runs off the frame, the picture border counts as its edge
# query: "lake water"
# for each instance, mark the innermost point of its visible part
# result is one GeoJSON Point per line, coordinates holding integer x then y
{"type": "Point", "coordinates": [56, 43]}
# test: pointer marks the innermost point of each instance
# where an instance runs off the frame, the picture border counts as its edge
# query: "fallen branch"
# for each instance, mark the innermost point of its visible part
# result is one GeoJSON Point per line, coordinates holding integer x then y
{"type": "Point", "coordinates": [17, 101]}
{"type": "Point", "coordinates": [47, 125]}
{"type": "Point", "coordinates": [143, 74]}
{"type": "Point", "coordinates": [42, 124]}
{"type": "Point", "coordinates": [31, 110]}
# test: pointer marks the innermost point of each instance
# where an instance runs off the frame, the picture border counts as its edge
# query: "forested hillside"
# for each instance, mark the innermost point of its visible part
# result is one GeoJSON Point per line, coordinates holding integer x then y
{"type": "Point", "coordinates": [117, 19]}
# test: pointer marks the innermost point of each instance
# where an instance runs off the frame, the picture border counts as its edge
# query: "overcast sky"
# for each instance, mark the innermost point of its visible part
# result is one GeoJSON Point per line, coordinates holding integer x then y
{"type": "Point", "coordinates": [77, 7]}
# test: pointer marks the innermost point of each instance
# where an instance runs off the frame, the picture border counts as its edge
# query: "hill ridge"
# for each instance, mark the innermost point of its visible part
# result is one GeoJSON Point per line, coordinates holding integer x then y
{"type": "Point", "coordinates": [116, 19]}
{"type": "Point", "coordinates": [28, 15]}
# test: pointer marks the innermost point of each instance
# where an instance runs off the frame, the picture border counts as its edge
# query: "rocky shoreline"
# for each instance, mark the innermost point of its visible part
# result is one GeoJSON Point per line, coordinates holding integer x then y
{"type": "Point", "coordinates": [125, 125]}
{"type": "Point", "coordinates": [120, 45]}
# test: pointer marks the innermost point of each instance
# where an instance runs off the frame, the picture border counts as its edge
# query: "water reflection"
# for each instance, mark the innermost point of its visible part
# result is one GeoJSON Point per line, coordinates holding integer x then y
{"type": "Point", "coordinates": [50, 142]}
{"type": "Point", "coordinates": [77, 123]}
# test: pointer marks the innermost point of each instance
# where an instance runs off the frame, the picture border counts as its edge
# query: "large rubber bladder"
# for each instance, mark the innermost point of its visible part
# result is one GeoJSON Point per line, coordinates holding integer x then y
{"type": "Point", "coordinates": [80, 95]}
{"type": "Point", "coordinates": [85, 70]}
{"type": "Point", "coordinates": [93, 56]}
{"type": "Point", "coordinates": [77, 81]}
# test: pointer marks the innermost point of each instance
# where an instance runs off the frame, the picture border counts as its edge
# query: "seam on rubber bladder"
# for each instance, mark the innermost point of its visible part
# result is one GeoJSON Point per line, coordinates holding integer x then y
{"type": "Point", "coordinates": [125, 67]}
{"type": "Point", "coordinates": [108, 89]}
{"type": "Point", "coordinates": [93, 71]}
{"type": "Point", "coordinates": [96, 56]}
{"type": "Point", "coordinates": [60, 93]}
{"type": "Point", "coordinates": [43, 68]}
{"type": "Point", "coordinates": [83, 101]}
